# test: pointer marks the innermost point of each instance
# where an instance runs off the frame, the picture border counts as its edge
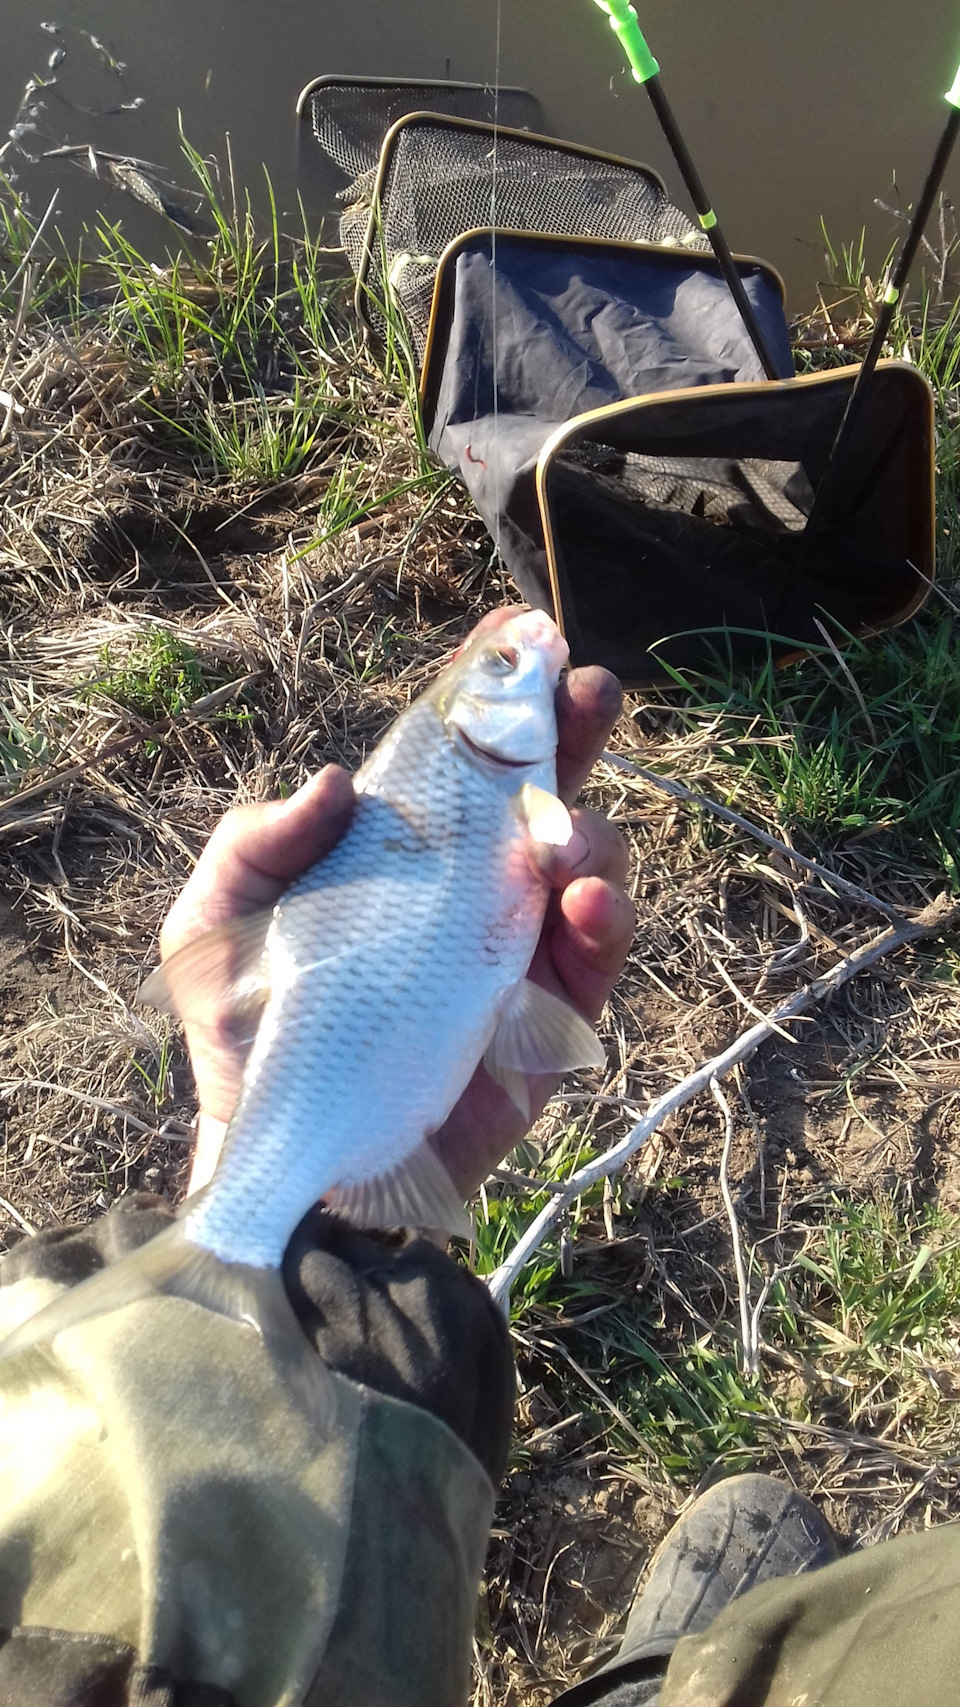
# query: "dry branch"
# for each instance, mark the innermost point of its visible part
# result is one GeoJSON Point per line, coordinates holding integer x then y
{"type": "Point", "coordinates": [679, 791]}
{"type": "Point", "coordinates": [933, 921]}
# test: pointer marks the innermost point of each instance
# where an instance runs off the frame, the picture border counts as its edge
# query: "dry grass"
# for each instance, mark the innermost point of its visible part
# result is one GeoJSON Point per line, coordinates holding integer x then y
{"type": "Point", "coordinates": [179, 635]}
{"type": "Point", "coordinates": [863, 1106]}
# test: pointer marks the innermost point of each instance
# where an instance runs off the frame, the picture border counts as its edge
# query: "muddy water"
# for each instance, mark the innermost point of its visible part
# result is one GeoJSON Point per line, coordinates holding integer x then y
{"type": "Point", "coordinates": [794, 109]}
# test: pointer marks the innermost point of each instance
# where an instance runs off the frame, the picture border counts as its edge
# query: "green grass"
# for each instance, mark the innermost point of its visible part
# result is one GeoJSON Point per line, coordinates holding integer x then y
{"type": "Point", "coordinates": [680, 1398]}
{"type": "Point", "coordinates": [866, 1319]}
{"type": "Point", "coordinates": [233, 352]}
{"type": "Point", "coordinates": [158, 677]}
{"type": "Point", "coordinates": [874, 1304]}
{"type": "Point", "coordinates": [868, 747]}
{"type": "Point", "coordinates": [244, 361]}
{"type": "Point", "coordinates": [157, 1078]}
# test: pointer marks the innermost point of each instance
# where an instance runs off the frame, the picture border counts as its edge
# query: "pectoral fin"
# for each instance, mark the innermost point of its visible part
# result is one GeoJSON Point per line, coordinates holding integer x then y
{"type": "Point", "coordinates": [538, 1033]}
{"type": "Point", "coordinates": [545, 816]}
{"type": "Point", "coordinates": [224, 971]}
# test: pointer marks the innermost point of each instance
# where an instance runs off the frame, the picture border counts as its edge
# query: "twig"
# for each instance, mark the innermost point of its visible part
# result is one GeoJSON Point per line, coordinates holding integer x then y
{"type": "Point", "coordinates": [938, 917]}
{"type": "Point", "coordinates": [525, 1182]}
{"type": "Point", "coordinates": [679, 791]}
{"type": "Point", "coordinates": [605, 1399]}
{"type": "Point", "coordinates": [21, 1220]}
{"type": "Point", "coordinates": [745, 1001]}
{"type": "Point", "coordinates": [99, 1103]}
{"type": "Point", "coordinates": [69, 773]}
{"type": "Point", "coordinates": [748, 1346]}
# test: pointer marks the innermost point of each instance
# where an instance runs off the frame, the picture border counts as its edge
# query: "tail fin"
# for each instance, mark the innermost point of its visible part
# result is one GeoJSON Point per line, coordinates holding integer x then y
{"type": "Point", "coordinates": [172, 1264]}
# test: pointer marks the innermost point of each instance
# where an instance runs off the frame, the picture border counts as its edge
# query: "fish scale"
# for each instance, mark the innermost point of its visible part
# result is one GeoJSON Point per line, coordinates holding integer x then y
{"type": "Point", "coordinates": [429, 912]}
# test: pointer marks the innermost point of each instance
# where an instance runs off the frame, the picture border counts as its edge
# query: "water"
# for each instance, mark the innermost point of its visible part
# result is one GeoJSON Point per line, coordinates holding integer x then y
{"type": "Point", "coordinates": [792, 110]}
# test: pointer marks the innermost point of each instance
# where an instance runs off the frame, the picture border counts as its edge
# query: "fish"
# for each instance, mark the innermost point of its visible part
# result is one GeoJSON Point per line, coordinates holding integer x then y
{"type": "Point", "coordinates": [136, 183]}
{"type": "Point", "coordinates": [372, 991]}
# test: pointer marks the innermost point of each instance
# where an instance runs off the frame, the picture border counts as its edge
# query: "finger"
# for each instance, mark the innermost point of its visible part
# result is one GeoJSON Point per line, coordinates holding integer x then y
{"type": "Point", "coordinates": [283, 838]}
{"type": "Point", "coordinates": [255, 851]}
{"type": "Point", "coordinates": [596, 849]}
{"type": "Point", "coordinates": [588, 705]}
{"type": "Point", "coordinates": [590, 939]}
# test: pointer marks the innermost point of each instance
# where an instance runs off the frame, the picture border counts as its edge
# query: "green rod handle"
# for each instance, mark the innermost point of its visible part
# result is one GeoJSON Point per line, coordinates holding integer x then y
{"type": "Point", "coordinates": [624, 23]}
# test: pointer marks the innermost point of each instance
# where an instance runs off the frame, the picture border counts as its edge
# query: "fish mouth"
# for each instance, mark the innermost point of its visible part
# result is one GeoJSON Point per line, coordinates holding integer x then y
{"type": "Point", "coordinates": [492, 758]}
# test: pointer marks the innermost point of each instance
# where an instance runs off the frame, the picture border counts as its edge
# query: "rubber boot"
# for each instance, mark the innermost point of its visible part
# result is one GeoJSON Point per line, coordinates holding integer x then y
{"type": "Point", "coordinates": [739, 1533]}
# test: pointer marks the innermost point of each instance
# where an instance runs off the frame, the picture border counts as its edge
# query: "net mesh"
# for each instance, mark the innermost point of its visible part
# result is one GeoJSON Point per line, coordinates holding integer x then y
{"type": "Point", "coordinates": [351, 116]}
{"type": "Point", "coordinates": [440, 178]}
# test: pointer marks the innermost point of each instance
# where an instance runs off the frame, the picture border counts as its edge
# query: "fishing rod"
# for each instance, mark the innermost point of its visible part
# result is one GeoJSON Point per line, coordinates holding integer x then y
{"type": "Point", "coordinates": [897, 283]}
{"type": "Point", "coordinates": [625, 25]}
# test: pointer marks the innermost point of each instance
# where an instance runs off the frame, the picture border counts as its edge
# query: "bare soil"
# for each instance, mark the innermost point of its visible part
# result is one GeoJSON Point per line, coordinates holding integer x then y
{"type": "Point", "coordinates": [311, 656]}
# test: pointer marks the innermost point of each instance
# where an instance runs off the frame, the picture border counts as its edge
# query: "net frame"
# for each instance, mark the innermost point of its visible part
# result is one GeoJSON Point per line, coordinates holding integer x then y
{"type": "Point", "coordinates": [922, 522]}
{"type": "Point", "coordinates": [350, 156]}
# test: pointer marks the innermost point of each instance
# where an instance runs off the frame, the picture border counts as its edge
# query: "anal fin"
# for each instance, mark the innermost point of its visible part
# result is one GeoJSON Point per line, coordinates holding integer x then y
{"type": "Point", "coordinates": [418, 1192]}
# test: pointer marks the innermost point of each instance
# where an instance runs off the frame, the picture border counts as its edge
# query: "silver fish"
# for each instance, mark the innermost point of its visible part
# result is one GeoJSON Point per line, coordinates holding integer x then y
{"type": "Point", "coordinates": [386, 974]}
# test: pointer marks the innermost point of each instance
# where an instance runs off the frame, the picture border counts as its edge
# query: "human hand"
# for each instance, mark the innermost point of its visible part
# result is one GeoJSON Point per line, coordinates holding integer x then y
{"type": "Point", "coordinates": [256, 852]}
{"type": "Point", "coordinates": [586, 934]}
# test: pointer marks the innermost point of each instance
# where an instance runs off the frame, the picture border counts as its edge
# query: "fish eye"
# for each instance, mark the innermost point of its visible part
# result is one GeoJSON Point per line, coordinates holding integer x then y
{"type": "Point", "coordinates": [502, 659]}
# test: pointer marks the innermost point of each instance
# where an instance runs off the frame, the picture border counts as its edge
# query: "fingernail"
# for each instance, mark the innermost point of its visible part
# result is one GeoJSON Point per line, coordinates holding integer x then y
{"type": "Point", "coordinates": [556, 861]}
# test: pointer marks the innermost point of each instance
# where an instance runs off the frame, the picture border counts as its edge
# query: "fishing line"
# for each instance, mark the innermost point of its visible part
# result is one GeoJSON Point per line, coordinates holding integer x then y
{"type": "Point", "coordinates": [493, 290]}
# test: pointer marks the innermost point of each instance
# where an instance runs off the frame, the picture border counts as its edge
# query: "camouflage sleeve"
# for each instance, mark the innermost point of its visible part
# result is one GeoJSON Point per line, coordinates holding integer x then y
{"type": "Point", "coordinates": [389, 1310]}
{"type": "Point", "coordinates": [171, 1528]}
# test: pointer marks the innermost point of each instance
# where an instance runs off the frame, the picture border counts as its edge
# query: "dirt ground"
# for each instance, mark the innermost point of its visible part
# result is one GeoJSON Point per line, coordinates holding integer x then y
{"type": "Point", "coordinates": [305, 659]}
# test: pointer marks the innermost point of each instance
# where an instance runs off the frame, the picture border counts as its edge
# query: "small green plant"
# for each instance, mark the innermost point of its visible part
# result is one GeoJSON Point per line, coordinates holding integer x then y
{"type": "Point", "coordinates": [159, 677]}
{"type": "Point", "coordinates": [20, 747]}
{"type": "Point", "coordinates": [156, 1078]}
